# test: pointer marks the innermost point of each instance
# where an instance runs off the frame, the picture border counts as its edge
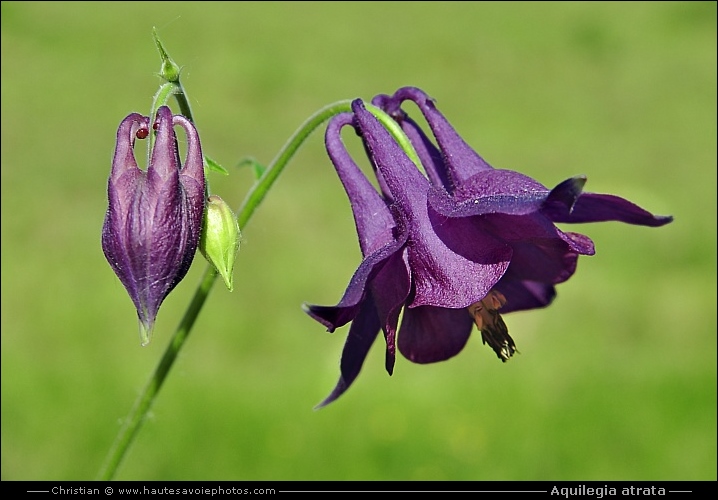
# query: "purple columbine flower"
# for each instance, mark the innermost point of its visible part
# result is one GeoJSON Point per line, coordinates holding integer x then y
{"type": "Point", "coordinates": [153, 222]}
{"type": "Point", "coordinates": [451, 248]}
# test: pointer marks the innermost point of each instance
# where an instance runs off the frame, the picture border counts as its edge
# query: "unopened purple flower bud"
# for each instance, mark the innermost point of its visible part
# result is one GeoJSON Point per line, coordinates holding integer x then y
{"type": "Point", "coordinates": [154, 218]}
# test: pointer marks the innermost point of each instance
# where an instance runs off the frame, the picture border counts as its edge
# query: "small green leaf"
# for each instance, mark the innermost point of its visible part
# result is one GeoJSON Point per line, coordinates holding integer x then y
{"type": "Point", "coordinates": [257, 167]}
{"type": "Point", "coordinates": [214, 166]}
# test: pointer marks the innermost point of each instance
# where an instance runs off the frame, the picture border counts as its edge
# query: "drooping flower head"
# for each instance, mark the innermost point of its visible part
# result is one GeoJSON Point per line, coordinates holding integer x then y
{"type": "Point", "coordinates": [153, 221]}
{"type": "Point", "coordinates": [451, 248]}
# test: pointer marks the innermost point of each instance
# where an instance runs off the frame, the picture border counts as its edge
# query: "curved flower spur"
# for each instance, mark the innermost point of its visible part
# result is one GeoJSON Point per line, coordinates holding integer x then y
{"type": "Point", "coordinates": [154, 219]}
{"type": "Point", "coordinates": [451, 248]}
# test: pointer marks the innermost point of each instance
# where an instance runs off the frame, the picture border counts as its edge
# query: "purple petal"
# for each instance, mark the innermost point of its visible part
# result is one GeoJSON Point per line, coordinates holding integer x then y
{"type": "Point", "coordinates": [591, 207]}
{"type": "Point", "coordinates": [192, 176]}
{"type": "Point", "coordinates": [430, 156]}
{"type": "Point", "coordinates": [125, 171]}
{"type": "Point", "coordinates": [374, 222]}
{"type": "Point", "coordinates": [542, 252]}
{"type": "Point", "coordinates": [563, 197]}
{"type": "Point", "coordinates": [125, 180]}
{"type": "Point", "coordinates": [389, 290]}
{"type": "Point", "coordinates": [522, 295]}
{"type": "Point", "coordinates": [348, 307]}
{"type": "Point", "coordinates": [491, 191]}
{"type": "Point", "coordinates": [407, 185]}
{"type": "Point", "coordinates": [460, 159]}
{"type": "Point", "coordinates": [430, 334]}
{"type": "Point", "coordinates": [442, 277]}
{"type": "Point", "coordinates": [164, 162]}
{"type": "Point", "coordinates": [362, 333]}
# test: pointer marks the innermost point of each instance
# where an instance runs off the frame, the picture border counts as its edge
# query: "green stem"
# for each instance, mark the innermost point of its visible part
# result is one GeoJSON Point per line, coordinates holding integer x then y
{"type": "Point", "coordinates": [260, 188]}
{"type": "Point", "coordinates": [143, 403]}
{"type": "Point", "coordinates": [137, 415]}
{"type": "Point", "coordinates": [163, 94]}
{"type": "Point", "coordinates": [183, 103]}
{"type": "Point", "coordinates": [396, 132]}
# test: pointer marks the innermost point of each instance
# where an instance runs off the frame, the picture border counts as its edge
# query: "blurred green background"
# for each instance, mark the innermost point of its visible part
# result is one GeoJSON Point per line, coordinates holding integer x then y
{"type": "Point", "coordinates": [615, 381]}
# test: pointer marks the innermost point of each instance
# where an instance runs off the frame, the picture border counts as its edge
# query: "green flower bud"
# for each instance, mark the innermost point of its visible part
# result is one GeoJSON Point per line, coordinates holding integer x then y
{"type": "Point", "coordinates": [170, 71]}
{"type": "Point", "coordinates": [219, 242]}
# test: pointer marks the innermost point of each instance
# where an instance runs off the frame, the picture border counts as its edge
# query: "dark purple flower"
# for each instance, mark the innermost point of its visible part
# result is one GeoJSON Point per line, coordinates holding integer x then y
{"type": "Point", "coordinates": [153, 222]}
{"type": "Point", "coordinates": [451, 248]}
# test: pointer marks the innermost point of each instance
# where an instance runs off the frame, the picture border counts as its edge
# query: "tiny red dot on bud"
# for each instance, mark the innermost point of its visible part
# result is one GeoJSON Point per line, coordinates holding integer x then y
{"type": "Point", "coordinates": [142, 133]}
{"type": "Point", "coordinates": [155, 125]}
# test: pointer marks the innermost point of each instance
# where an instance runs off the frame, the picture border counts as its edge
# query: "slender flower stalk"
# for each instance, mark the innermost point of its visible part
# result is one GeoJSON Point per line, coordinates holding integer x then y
{"type": "Point", "coordinates": [137, 414]}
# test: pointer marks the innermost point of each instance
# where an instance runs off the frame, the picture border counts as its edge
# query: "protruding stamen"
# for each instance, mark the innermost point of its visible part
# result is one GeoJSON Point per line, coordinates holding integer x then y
{"type": "Point", "coordinates": [493, 329]}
